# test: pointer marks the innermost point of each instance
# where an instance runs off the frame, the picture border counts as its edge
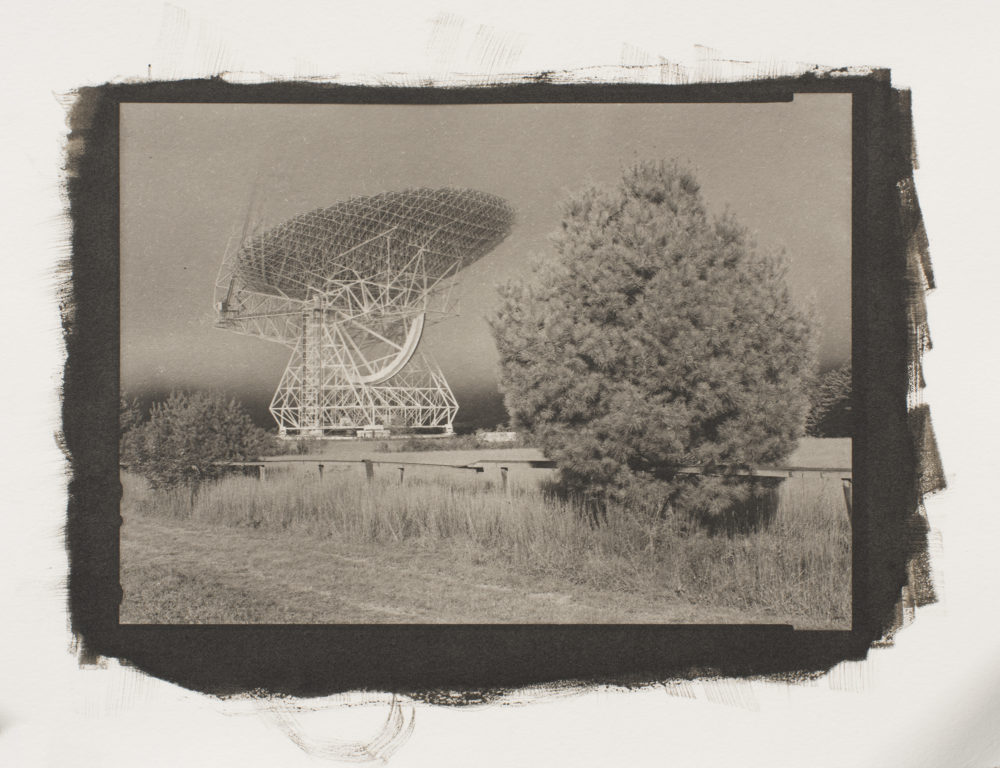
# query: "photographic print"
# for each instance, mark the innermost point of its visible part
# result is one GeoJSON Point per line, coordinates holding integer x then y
{"type": "Point", "coordinates": [139, 628]}
{"type": "Point", "coordinates": [487, 363]}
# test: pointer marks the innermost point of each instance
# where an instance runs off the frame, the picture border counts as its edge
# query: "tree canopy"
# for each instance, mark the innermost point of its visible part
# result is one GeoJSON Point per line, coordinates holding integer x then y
{"type": "Point", "coordinates": [654, 336]}
{"type": "Point", "coordinates": [185, 435]}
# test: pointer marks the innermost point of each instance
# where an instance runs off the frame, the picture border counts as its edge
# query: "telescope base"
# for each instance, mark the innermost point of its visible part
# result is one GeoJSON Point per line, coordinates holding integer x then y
{"type": "Point", "coordinates": [416, 401]}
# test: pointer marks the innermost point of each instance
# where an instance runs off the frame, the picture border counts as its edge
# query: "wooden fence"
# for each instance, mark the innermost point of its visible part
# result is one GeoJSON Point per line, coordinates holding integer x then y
{"type": "Point", "coordinates": [843, 473]}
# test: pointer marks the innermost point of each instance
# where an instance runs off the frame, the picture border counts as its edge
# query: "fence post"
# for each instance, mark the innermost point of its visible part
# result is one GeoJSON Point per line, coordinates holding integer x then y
{"type": "Point", "coordinates": [847, 498]}
{"type": "Point", "coordinates": [401, 475]}
{"type": "Point", "coordinates": [195, 481]}
{"type": "Point", "coordinates": [369, 469]}
{"type": "Point", "coordinates": [262, 472]}
{"type": "Point", "coordinates": [503, 480]}
{"type": "Point", "coordinates": [320, 471]}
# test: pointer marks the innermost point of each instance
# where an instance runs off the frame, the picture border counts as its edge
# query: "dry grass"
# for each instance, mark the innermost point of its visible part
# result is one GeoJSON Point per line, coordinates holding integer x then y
{"type": "Point", "coordinates": [794, 563]}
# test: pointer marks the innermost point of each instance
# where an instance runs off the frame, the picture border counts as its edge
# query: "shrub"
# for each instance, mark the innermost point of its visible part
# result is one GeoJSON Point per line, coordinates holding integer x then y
{"type": "Point", "coordinates": [130, 419]}
{"type": "Point", "coordinates": [654, 337]}
{"type": "Point", "coordinates": [188, 433]}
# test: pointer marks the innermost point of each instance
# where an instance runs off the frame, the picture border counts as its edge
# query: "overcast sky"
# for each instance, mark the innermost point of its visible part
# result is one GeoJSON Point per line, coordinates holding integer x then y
{"type": "Point", "coordinates": [188, 172]}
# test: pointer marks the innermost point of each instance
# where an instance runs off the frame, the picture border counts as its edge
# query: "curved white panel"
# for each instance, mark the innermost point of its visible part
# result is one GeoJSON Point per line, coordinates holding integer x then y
{"type": "Point", "coordinates": [396, 364]}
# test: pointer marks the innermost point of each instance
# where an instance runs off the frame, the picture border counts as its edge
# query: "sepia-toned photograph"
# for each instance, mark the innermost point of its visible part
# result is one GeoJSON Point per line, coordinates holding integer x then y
{"type": "Point", "coordinates": [510, 363]}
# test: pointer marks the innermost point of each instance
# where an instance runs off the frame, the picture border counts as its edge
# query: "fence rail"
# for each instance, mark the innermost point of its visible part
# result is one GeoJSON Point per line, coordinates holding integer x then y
{"type": "Point", "coordinates": [761, 471]}
{"type": "Point", "coordinates": [478, 466]}
{"type": "Point", "coordinates": [845, 474]}
{"type": "Point", "coordinates": [369, 465]}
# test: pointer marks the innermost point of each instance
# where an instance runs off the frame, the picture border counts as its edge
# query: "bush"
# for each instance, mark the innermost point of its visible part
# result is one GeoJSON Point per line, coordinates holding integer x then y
{"type": "Point", "coordinates": [130, 419]}
{"type": "Point", "coordinates": [187, 434]}
{"type": "Point", "coordinates": [654, 337]}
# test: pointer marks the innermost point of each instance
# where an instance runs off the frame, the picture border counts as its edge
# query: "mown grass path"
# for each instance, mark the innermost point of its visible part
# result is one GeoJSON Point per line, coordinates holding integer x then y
{"type": "Point", "coordinates": [192, 572]}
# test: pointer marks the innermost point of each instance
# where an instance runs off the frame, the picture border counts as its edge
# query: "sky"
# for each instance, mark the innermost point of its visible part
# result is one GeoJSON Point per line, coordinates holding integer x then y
{"type": "Point", "coordinates": [190, 171]}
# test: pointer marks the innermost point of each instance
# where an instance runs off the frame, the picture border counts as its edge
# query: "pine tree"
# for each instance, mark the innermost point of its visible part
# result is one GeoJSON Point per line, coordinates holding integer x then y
{"type": "Point", "coordinates": [654, 336]}
{"type": "Point", "coordinates": [831, 410]}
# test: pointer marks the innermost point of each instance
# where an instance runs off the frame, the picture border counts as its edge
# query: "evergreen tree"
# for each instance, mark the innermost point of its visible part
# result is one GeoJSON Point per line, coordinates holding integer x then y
{"type": "Point", "coordinates": [831, 413]}
{"type": "Point", "coordinates": [188, 433]}
{"type": "Point", "coordinates": [655, 336]}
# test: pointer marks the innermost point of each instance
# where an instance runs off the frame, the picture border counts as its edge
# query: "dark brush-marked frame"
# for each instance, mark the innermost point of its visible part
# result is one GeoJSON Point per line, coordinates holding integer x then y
{"type": "Point", "coordinates": [894, 458]}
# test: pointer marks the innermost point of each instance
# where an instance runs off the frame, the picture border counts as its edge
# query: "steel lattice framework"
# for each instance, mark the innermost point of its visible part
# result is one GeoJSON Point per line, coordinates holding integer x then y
{"type": "Point", "coordinates": [350, 289]}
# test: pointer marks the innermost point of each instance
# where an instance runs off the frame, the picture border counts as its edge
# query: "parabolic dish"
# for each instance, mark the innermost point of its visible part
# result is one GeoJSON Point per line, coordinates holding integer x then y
{"type": "Point", "coordinates": [365, 236]}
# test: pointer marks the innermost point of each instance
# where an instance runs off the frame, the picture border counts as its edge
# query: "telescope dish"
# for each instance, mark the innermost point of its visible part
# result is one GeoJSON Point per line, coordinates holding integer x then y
{"type": "Point", "coordinates": [350, 288]}
{"type": "Point", "coordinates": [451, 228]}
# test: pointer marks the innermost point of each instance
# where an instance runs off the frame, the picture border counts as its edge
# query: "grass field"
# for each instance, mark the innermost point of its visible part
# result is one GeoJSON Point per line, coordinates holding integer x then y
{"type": "Point", "coordinates": [450, 546]}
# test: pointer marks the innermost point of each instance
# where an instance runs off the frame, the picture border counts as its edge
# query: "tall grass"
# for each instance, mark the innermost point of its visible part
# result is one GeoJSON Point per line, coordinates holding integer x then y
{"type": "Point", "coordinates": [795, 560]}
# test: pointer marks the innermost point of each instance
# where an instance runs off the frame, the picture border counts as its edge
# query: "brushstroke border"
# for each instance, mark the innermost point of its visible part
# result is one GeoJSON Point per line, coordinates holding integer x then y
{"type": "Point", "coordinates": [895, 460]}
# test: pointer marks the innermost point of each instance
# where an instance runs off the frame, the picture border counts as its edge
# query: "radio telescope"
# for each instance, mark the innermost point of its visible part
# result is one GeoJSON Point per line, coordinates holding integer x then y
{"type": "Point", "coordinates": [350, 288]}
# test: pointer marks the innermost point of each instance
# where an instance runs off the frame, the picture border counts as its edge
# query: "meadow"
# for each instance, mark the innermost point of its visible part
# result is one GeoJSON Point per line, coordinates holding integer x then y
{"type": "Point", "coordinates": [452, 546]}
